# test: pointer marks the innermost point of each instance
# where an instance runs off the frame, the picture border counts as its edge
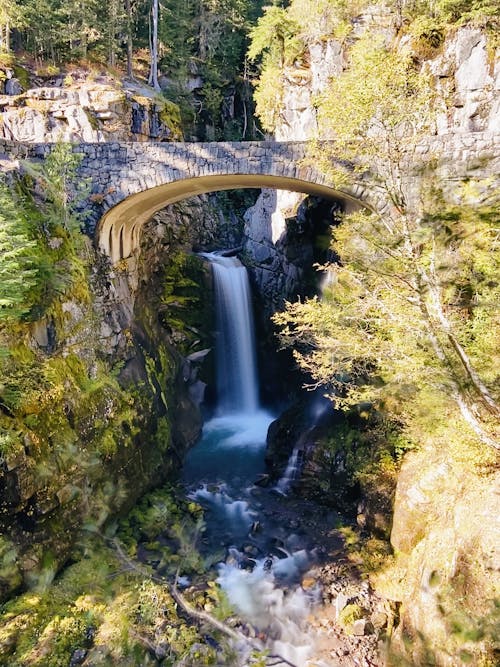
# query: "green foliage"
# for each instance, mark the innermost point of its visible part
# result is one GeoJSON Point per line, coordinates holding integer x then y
{"type": "Point", "coordinates": [428, 35]}
{"type": "Point", "coordinates": [319, 19]}
{"type": "Point", "coordinates": [170, 116]}
{"type": "Point", "coordinates": [377, 109]}
{"type": "Point", "coordinates": [207, 39]}
{"type": "Point", "coordinates": [162, 513]}
{"type": "Point", "coordinates": [94, 602]}
{"type": "Point", "coordinates": [9, 566]}
{"type": "Point", "coordinates": [275, 35]}
{"type": "Point", "coordinates": [40, 241]}
{"type": "Point", "coordinates": [18, 267]}
{"type": "Point", "coordinates": [387, 328]}
{"type": "Point", "coordinates": [349, 614]}
{"type": "Point", "coordinates": [62, 191]}
{"type": "Point", "coordinates": [186, 305]}
{"type": "Point", "coordinates": [163, 434]}
{"type": "Point", "coordinates": [463, 11]}
{"type": "Point", "coordinates": [268, 96]}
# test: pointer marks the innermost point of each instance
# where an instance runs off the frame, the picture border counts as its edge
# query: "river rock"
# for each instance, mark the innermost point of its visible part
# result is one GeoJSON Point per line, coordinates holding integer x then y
{"type": "Point", "coordinates": [379, 620]}
{"type": "Point", "coordinates": [359, 627]}
{"type": "Point", "coordinates": [263, 480]}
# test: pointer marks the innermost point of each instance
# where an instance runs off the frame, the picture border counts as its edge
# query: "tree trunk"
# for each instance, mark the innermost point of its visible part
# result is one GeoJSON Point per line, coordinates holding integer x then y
{"type": "Point", "coordinates": [474, 378]}
{"type": "Point", "coordinates": [128, 11]}
{"type": "Point", "coordinates": [455, 390]}
{"type": "Point", "coordinates": [153, 75]}
{"type": "Point", "coordinates": [112, 16]}
{"type": "Point", "coordinates": [433, 286]}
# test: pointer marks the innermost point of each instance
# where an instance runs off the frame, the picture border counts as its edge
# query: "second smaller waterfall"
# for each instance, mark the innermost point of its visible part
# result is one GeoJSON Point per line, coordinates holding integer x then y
{"type": "Point", "coordinates": [237, 386]}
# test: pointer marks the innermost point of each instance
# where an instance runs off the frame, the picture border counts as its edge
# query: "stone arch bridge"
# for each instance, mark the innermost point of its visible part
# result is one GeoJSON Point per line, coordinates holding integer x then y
{"type": "Point", "coordinates": [130, 182]}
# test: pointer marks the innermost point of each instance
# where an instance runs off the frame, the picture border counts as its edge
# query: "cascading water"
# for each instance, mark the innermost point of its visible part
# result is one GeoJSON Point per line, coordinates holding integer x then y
{"type": "Point", "coordinates": [237, 385]}
{"type": "Point", "coordinates": [262, 563]}
{"type": "Point", "coordinates": [292, 472]}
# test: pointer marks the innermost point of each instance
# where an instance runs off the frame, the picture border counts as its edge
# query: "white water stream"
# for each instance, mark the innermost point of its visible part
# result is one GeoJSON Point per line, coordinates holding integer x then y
{"type": "Point", "coordinates": [260, 579]}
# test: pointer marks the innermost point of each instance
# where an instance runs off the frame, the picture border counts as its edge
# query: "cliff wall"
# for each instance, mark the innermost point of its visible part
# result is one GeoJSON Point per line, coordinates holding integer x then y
{"type": "Point", "coordinates": [444, 532]}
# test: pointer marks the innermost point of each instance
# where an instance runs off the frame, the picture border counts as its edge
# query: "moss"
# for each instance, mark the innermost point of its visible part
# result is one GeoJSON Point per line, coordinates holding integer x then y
{"type": "Point", "coordinates": [186, 304]}
{"type": "Point", "coordinates": [96, 602]}
{"type": "Point", "coordinates": [22, 75]}
{"type": "Point", "coordinates": [163, 434]}
{"type": "Point", "coordinates": [43, 106]}
{"type": "Point", "coordinates": [93, 121]}
{"type": "Point", "coordinates": [349, 614]}
{"type": "Point", "coordinates": [427, 36]}
{"type": "Point", "coordinates": [10, 443]}
{"type": "Point", "coordinates": [170, 116]}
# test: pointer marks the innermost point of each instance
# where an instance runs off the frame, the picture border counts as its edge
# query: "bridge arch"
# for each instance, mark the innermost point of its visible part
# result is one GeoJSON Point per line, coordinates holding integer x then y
{"type": "Point", "coordinates": [118, 232]}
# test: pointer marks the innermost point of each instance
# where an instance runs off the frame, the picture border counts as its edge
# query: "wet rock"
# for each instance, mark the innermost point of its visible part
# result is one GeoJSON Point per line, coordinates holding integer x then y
{"type": "Point", "coordinates": [13, 87]}
{"type": "Point", "coordinates": [251, 550]}
{"type": "Point", "coordinates": [256, 527]}
{"type": "Point", "coordinates": [247, 564]}
{"type": "Point", "coordinates": [161, 650]}
{"type": "Point", "coordinates": [198, 356]}
{"type": "Point", "coordinates": [263, 480]}
{"type": "Point", "coordinates": [308, 582]}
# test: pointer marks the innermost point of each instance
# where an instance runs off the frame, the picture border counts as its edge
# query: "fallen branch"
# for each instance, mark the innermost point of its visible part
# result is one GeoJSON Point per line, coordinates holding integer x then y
{"type": "Point", "coordinates": [188, 608]}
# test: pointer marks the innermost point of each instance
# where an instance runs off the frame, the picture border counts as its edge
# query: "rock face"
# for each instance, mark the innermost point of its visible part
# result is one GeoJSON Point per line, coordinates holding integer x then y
{"type": "Point", "coordinates": [446, 533]}
{"type": "Point", "coordinates": [79, 109]}
{"type": "Point", "coordinates": [123, 414]}
{"type": "Point", "coordinates": [281, 259]}
{"type": "Point", "coordinates": [467, 81]}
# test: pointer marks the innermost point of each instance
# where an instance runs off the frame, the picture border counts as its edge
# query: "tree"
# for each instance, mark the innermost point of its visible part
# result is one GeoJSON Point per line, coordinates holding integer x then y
{"type": "Point", "coordinates": [276, 36]}
{"type": "Point", "coordinates": [399, 323]}
{"type": "Point", "coordinates": [130, 44]}
{"type": "Point", "coordinates": [153, 74]}
{"type": "Point", "coordinates": [62, 192]}
{"type": "Point", "coordinates": [407, 320]}
{"type": "Point", "coordinates": [10, 17]}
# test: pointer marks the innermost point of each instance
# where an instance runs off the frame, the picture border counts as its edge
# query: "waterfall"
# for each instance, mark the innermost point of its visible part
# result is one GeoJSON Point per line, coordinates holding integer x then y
{"type": "Point", "coordinates": [291, 473]}
{"type": "Point", "coordinates": [260, 580]}
{"type": "Point", "coordinates": [237, 386]}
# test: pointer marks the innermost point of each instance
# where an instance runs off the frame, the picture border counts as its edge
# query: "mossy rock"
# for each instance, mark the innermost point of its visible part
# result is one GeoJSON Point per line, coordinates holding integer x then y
{"type": "Point", "coordinates": [349, 614]}
{"type": "Point", "coordinates": [22, 75]}
{"type": "Point", "coordinates": [170, 116]}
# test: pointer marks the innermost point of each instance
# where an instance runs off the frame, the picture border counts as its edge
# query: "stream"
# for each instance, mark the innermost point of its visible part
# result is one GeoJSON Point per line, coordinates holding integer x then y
{"type": "Point", "coordinates": [263, 559]}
